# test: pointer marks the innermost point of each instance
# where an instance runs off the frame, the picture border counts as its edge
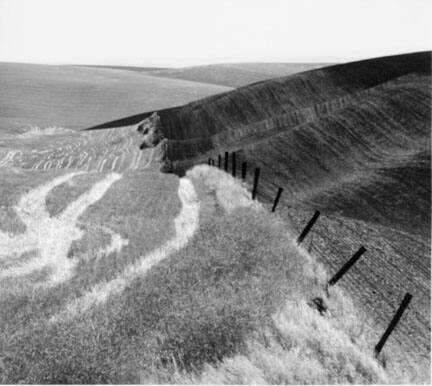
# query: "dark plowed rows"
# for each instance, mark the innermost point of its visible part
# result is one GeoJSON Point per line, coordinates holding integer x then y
{"type": "Point", "coordinates": [283, 95]}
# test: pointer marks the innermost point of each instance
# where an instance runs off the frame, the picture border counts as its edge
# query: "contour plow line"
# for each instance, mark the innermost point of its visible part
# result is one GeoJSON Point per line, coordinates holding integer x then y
{"type": "Point", "coordinates": [51, 237]}
{"type": "Point", "coordinates": [186, 224]}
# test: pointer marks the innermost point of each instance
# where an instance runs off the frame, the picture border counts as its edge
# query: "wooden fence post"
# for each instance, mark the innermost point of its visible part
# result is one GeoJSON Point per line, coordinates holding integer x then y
{"type": "Point", "coordinates": [244, 169]}
{"type": "Point", "coordinates": [308, 227]}
{"type": "Point", "coordinates": [219, 161]}
{"type": "Point", "coordinates": [233, 163]}
{"type": "Point", "coordinates": [279, 192]}
{"type": "Point", "coordinates": [406, 300]}
{"type": "Point", "coordinates": [255, 185]}
{"type": "Point", "coordinates": [347, 266]}
{"type": "Point", "coordinates": [226, 161]}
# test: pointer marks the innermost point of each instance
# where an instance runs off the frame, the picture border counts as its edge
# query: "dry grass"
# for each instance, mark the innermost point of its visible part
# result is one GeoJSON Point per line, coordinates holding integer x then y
{"type": "Point", "coordinates": [300, 346]}
{"type": "Point", "coordinates": [233, 305]}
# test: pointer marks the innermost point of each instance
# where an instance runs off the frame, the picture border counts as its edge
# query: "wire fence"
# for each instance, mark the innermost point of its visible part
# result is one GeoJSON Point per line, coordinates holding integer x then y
{"type": "Point", "coordinates": [306, 230]}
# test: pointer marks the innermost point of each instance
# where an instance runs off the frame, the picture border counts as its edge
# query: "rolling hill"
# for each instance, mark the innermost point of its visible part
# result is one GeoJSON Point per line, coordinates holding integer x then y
{"type": "Point", "coordinates": [351, 140]}
{"type": "Point", "coordinates": [76, 97]}
{"type": "Point", "coordinates": [113, 272]}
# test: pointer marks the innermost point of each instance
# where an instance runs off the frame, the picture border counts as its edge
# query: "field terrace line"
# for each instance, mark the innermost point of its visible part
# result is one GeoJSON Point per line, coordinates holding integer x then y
{"type": "Point", "coordinates": [51, 237]}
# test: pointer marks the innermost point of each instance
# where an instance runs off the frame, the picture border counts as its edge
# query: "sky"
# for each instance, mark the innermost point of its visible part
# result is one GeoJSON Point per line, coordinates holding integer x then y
{"type": "Point", "coordinates": [176, 33]}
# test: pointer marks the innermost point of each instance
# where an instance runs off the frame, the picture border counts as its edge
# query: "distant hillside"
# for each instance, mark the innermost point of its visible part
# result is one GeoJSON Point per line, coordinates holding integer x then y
{"type": "Point", "coordinates": [352, 140]}
{"type": "Point", "coordinates": [235, 74]}
{"type": "Point", "coordinates": [125, 68]}
{"type": "Point", "coordinates": [78, 97]}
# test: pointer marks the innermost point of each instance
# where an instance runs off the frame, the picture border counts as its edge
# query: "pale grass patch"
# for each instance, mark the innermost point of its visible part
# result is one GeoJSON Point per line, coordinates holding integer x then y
{"type": "Point", "coordinates": [230, 192]}
{"type": "Point", "coordinates": [186, 223]}
{"type": "Point", "coordinates": [116, 244]}
{"type": "Point", "coordinates": [50, 236]}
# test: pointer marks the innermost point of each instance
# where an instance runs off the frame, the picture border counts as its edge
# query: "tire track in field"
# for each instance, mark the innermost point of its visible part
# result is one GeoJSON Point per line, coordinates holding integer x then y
{"type": "Point", "coordinates": [186, 224]}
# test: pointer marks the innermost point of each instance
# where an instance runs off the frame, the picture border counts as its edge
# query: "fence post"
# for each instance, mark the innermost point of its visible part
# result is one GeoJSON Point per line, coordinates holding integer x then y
{"type": "Point", "coordinates": [347, 266]}
{"type": "Point", "coordinates": [244, 169]}
{"type": "Point", "coordinates": [233, 164]}
{"type": "Point", "coordinates": [211, 161]}
{"type": "Point", "coordinates": [255, 185]}
{"type": "Point", "coordinates": [406, 300]}
{"type": "Point", "coordinates": [219, 161]}
{"type": "Point", "coordinates": [226, 161]}
{"type": "Point", "coordinates": [279, 192]}
{"type": "Point", "coordinates": [308, 227]}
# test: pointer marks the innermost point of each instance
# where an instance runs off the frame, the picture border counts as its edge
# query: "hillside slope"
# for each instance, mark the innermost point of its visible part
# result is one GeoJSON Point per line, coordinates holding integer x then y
{"type": "Point", "coordinates": [77, 97]}
{"type": "Point", "coordinates": [143, 277]}
{"type": "Point", "coordinates": [111, 272]}
{"type": "Point", "coordinates": [353, 141]}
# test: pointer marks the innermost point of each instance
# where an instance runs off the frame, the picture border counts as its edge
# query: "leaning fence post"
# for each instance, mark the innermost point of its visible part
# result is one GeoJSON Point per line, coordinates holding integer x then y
{"type": "Point", "coordinates": [255, 185]}
{"type": "Point", "coordinates": [233, 162]}
{"type": "Point", "coordinates": [279, 192]}
{"type": "Point", "coordinates": [308, 227]}
{"type": "Point", "coordinates": [226, 161]}
{"type": "Point", "coordinates": [219, 161]}
{"type": "Point", "coordinates": [405, 302]}
{"type": "Point", "coordinates": [347, 266]}
{"type": "Point", "coordinates": [244, 169]}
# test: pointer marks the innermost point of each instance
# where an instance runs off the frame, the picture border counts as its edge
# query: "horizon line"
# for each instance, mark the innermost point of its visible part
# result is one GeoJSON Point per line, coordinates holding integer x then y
{"type": "Point", "coordinates": [195, 62]}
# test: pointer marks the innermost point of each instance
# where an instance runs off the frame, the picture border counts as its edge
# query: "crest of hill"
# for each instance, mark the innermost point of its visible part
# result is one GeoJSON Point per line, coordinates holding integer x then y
{"type": "Point", "coordinates": [235, 74]}
{"type": "Point", "coordinates": [275, 97]}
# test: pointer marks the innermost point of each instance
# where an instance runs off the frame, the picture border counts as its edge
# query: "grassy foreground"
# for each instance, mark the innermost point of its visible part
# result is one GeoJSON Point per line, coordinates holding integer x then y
{"type": "Point", "coordinates": [233, 306]}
